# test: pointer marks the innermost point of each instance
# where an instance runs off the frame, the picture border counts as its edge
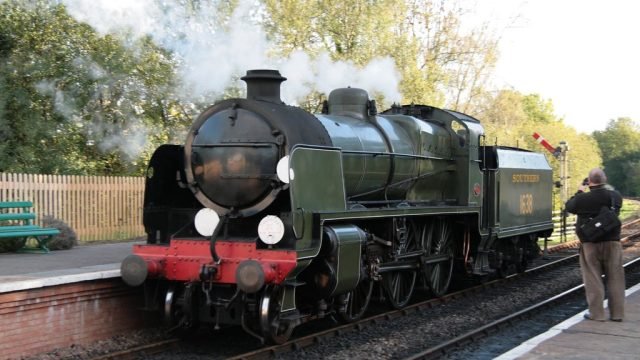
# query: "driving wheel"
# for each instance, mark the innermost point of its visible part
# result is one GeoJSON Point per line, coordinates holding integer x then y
{"type": "Point", "coordinates": [399, 285]}
{"type": "Point", "coordinates": [437, 239]}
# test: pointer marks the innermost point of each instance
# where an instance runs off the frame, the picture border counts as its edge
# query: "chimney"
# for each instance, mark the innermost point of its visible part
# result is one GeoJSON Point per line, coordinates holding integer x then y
{"type": "Point", "coordinates": [264, 85]}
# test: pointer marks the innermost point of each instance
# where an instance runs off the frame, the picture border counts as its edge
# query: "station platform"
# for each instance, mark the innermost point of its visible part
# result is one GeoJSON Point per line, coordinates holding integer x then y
{"type": "Point", "coordinates": [578, 338]}
{"type": "Point", "coordinates": [22, 271]}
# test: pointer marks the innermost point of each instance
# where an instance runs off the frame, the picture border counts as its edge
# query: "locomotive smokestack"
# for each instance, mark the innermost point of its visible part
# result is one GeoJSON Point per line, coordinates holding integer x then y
{"type": "Point", "coordinates": [264, 85]}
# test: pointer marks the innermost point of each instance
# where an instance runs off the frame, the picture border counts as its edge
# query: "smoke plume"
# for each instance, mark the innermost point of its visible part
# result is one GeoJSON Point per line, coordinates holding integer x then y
{"type": "Point", "coordinates": [213, 50]}
{"type": "Point", "coordinates": [212, 57]}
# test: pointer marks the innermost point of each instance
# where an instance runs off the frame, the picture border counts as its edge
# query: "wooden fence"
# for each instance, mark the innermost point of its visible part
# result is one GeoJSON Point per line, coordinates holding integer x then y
{"type": "Point", "coordinates": [96, 207]}
{"type": "Point", "coordinates": [569, 231]}
{"type": "Point", "coordinates": [110, 207]}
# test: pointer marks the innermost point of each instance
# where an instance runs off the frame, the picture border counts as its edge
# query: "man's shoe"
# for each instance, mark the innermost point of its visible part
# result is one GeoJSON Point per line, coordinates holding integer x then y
{"type": "Point", "coordinates": [616, 320]}
{"type": "Point", "coordinates": [588, 317]}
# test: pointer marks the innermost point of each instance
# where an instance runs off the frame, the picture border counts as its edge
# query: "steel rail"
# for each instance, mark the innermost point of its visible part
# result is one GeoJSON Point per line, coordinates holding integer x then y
{"type": "Point", "coordinates": [135, 352]}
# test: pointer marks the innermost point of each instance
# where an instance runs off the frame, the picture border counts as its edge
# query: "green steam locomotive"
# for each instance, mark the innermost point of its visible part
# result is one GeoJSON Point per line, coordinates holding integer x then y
{"type": "Point", "coordinates": [269, 216]}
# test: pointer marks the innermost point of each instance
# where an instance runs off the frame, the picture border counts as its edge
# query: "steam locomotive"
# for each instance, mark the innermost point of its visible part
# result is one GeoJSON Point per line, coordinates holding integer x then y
{"type": "Point", "coordinates": [269, 216]}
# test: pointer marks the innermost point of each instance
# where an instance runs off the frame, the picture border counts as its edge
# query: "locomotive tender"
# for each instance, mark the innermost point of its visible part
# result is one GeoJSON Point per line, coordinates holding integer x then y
{"type": "Point", "coordinates": [270, 216]}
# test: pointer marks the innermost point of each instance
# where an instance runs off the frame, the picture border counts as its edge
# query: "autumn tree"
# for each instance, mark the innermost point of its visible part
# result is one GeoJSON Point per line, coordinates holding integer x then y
{"type": "Point", "coordinates": [457, 60]}
{"type": "Point", "coordinates": [510, 118]}
{"type": "Point", "coordinates": [436, 57]}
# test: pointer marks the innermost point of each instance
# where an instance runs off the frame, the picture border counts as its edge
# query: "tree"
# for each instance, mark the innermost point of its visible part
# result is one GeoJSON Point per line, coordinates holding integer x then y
{"type": "Point", "coordinates": [75, 102]}
{"type": "Point", "coordinates": [459, 61]}
{"type": "Point", "coordinates": [503, 117]}
{"type": "Point", "coordinates": [510, 118]}
{"type": "Point", "coordinates": [539, 110]}
{"type": "Point", "coordinates": [620, 145]}
{"type": "Point", "coordinates": [621, 137]}
{"type": "Point", "coordinates": [433, 54]}
{"type": "Point", "coordinates": [353, 32]}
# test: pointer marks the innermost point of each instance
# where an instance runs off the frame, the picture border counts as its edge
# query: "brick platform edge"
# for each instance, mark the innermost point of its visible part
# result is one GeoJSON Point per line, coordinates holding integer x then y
{"type": "Point", "coordinates": [39, 320]}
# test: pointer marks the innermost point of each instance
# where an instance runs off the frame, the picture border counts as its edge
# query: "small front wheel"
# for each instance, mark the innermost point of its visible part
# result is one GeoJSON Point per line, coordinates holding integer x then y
{"type": "Point", "coordinates": [275, 330]}
{"type": "Point", "coordinates": [357, 301]}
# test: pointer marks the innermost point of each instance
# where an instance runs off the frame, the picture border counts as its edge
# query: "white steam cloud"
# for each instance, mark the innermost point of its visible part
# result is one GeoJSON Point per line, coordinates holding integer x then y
{"type": "Point", "coordinates": [61, 103]}
{"type": "Point", "coordinates": [322, 74]}
{"type": "Point", "coordinates": [129, 138]}
{"type": "Point", "coordinates": [212, 58]}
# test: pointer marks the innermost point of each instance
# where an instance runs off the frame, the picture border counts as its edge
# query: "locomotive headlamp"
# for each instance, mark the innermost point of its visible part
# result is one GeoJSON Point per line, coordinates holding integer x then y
{"type": "Point", "coordinates": [206, 221]}
{"type": "Point", "coordinates": [285, 174]}
{"type": "Point", "coordinates": [271, 229]}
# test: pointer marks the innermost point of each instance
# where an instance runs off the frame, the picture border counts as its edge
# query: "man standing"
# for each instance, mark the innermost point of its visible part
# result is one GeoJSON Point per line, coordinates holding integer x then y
{"type": "Point", "coordinates": [602, 257]}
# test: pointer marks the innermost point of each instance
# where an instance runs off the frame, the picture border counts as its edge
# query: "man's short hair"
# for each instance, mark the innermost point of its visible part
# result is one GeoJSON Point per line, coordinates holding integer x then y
{"type": "Point", "coordinates": [597, 176]}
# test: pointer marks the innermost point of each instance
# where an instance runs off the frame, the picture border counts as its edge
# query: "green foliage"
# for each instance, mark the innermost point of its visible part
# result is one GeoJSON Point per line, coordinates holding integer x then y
{"type": "Point", "coordinates": [435, 55]}
{"type": "Point", "coordinates": [630, 209]}
{"type": "Point", "coordinates": [539, 110]}
{"type": "Point", "coordinates": [621, 137]}
{"type": "Point", "coordinates": [74, 102]}
{"type": "Point", "coordinates": [620, 145]}
{"type": "Point", "coordinates": [503, 117]}
{"type": "Point", "coordinates": [352, 30]}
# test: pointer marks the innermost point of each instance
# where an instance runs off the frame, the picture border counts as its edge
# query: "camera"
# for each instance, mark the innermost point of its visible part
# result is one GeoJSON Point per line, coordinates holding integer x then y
{"type": "Point", "coordinates": [585, 182]}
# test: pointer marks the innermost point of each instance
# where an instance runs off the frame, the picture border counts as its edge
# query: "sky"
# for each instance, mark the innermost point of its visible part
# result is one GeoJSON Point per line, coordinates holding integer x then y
{"type": "Point", "coordinates": [584, 56]}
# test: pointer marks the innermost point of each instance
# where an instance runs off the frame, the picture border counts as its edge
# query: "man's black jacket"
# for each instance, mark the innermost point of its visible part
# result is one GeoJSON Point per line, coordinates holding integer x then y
{"type": "Point", "coordinates": [588, 204]}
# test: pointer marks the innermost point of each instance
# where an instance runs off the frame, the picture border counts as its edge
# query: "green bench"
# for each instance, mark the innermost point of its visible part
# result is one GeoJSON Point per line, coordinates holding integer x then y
{"type": "Point", "coordinates": [19, 225]}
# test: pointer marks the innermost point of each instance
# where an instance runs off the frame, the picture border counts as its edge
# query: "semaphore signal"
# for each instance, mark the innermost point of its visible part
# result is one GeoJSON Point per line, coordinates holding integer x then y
{"type": "Point", "coordinates": [542, 141]}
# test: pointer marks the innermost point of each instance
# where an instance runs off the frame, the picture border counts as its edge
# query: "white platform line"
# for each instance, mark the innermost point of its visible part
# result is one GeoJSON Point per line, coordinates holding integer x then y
{"type": "Point", "coordinates": [528, 345]}
{"type": "Point", "coordinates": [58, 277]}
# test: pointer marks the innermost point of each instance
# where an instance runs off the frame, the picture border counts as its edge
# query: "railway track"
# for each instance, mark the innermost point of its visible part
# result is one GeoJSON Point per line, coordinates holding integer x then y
{"type": "Point", "coordinates": [327, 335]}
{"type": "Point", "coordinates": [142, 350]}
{"type": "Point", "coordinates": [481, 332]}
{"type": "Point", "coordinates": [562, 258]}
